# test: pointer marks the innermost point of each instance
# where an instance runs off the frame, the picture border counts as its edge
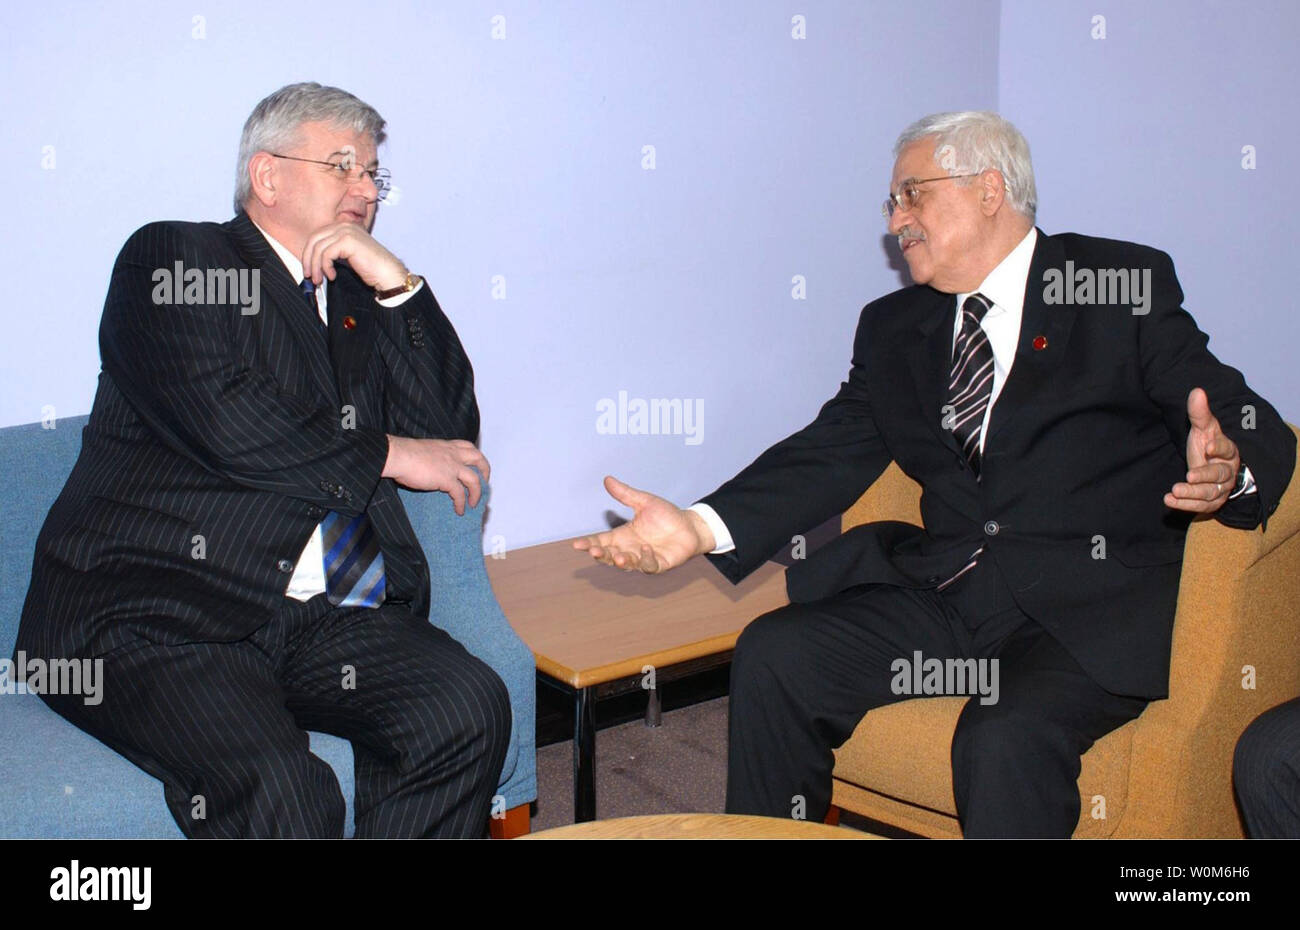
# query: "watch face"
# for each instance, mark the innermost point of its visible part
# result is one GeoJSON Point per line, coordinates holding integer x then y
{"type": "Point", "coordinates": [405, 287]}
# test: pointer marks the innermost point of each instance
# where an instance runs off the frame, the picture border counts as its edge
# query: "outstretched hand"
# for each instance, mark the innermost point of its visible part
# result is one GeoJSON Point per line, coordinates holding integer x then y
{"type": "Point", "coordinates": [1213, 461]}
{"type": "Point", "coordinates": [660, 535]}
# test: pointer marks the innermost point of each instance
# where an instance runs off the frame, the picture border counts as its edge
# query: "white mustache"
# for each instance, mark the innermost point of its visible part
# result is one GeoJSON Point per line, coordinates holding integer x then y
{"type": "Point", "coordinates": [907, 233]}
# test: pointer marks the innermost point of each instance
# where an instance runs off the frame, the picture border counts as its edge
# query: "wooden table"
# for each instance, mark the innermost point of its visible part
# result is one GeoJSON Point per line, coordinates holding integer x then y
{"type": "Point", "coordinates": [591, 626]}
{"type": "Point", "coordinates": [700, 827]}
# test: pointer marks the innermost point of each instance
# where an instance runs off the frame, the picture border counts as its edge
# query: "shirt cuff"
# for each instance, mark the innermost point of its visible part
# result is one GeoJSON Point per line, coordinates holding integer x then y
{"type": "Point", "coordinates": [399, 299]}
{"type": "Point", "coordinates": [722, 541]}
{"type": "Point", "coordinates": [1247, 488]}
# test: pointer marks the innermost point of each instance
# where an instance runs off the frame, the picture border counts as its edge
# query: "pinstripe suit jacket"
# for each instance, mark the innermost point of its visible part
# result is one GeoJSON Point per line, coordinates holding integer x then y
{"type": "Point", "coordinates": [218, 440]}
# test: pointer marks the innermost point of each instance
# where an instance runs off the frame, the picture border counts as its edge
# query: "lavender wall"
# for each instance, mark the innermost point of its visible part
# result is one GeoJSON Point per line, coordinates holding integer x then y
{"type": "Point", "coordinates": [1140, 136]}
{"type": "Point", "coordinates": [520, 157]}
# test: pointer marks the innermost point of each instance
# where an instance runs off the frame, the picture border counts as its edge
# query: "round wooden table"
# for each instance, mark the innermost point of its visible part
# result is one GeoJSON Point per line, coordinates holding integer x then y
{"type": "Point", "coordinates": [700, 827]}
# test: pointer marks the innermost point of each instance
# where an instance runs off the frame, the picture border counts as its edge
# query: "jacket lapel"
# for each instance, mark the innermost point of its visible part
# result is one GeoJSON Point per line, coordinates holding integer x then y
{"type": "Point", "coordinates": [1033, 367]}
{"type": "Point", "coordinates": [282, 298]}
{"type": "Point", "coordinates": [931, 360]}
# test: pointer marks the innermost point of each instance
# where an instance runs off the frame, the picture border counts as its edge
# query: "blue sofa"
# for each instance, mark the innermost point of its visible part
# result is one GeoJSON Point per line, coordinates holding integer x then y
{"type": "Point", "coordinates": [59, 782]}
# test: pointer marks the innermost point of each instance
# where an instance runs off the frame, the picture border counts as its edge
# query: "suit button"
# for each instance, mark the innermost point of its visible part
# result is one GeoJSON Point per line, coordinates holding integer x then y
{"type": "Point", "coordinates": [314, 511]}
{"type": "Point", "coordinates": [991, 528]}
{"type": "Point", "coordinates": [284, 565]}
{"type": "Point", "coordinates": [933, 579]}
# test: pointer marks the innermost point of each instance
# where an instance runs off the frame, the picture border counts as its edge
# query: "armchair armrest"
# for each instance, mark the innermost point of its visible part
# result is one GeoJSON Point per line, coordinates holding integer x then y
{"type": "Point", "coordinates": [461, 602]}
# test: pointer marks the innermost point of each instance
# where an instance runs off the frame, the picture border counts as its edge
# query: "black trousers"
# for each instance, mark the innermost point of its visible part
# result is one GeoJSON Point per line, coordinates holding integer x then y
{"type": "Point", "coordinates": [223, 725]}
{"type": "Point", "coordinates": [1266, 773]}
{"type": "Point", "coordinates": [803, 677]}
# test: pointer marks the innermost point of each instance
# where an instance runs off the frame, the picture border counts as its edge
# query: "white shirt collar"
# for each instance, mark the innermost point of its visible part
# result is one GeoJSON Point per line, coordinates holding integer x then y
{"type": "Point", "coordinates": [1005, 284]}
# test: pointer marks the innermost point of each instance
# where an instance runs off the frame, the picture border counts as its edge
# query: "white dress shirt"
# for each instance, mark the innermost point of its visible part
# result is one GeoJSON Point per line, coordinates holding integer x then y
{"type": "Point", "coordinates": [308, 577]}
{"type": "Point", "coordinates": [1005, 289]}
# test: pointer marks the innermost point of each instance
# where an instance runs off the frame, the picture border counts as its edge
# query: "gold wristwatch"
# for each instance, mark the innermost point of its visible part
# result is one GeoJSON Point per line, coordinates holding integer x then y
{"type": "Point", "coordinates": [411, 283]}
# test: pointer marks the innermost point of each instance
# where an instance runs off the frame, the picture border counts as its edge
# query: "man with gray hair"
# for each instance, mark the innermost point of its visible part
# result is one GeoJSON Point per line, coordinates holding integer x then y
{"type": "Point", "coordinates": [1065, 421]}
{"type": "Point", "coordinates": [231, 541]}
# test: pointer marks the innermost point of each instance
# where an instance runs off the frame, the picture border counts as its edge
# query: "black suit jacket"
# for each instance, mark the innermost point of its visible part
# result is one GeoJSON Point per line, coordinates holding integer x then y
{"type": "Point", "coordinates": [1084, 440]}
{"type": "Point", "coordinates": [218, 440]}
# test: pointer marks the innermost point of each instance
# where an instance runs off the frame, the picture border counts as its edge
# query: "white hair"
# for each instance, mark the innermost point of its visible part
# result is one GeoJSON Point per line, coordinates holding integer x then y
{"type": "Point", "coordinates": [273, 124]}
{"type": "Point", "coordinates": [973, 141]}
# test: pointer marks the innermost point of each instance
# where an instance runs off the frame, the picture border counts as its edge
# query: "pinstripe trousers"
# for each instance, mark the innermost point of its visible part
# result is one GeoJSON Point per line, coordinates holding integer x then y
{"type": "Point", "coordinates": [223, 725]}
{"type": "Point", "coordinates": [1266, 773]}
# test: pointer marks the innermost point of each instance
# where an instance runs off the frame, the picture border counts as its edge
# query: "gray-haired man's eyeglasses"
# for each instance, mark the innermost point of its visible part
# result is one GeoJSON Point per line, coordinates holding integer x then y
{"type": "Point", "coordinates": [905, 199]}
{"type": "Point", "coordinates": [380, 177]}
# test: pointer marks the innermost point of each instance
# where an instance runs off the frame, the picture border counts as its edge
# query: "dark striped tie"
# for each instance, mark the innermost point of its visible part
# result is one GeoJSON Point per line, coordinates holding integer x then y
{"type": "Point", "coordinates": [354, 566]}
{"type": "Point", "coordinates": [969, 390]}
{"type": "Point", "coordinates": [309, 295]}
{"type": "Point", "coordinates": [971, 383]}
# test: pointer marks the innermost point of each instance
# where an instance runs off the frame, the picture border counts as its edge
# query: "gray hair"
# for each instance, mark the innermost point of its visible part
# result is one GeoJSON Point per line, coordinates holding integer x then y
{"type": "Point", "coordinates": [979, 140]}
{"type": "Point", "coordinates": [273, 124]}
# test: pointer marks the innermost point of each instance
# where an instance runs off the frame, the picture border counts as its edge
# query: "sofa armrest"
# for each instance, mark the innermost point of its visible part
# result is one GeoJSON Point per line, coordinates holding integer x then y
{"type": "Point", "coordinates": [461, 602]}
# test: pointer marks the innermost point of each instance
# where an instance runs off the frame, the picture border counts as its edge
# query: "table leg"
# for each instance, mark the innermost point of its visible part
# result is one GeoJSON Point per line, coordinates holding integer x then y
{"type": "Point", "coordinates": [584, 756]}
{"type": "Point", "coordinates": [653, 708]}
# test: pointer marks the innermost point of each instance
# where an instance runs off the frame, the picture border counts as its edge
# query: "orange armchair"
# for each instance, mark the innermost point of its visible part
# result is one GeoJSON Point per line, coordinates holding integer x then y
{"type": "Point", "coordinates": [1168, 773]}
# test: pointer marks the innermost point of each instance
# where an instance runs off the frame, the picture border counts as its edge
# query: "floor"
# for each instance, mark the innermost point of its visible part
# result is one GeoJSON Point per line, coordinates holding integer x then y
{"type": "Point", "coordinates": [677, 767]}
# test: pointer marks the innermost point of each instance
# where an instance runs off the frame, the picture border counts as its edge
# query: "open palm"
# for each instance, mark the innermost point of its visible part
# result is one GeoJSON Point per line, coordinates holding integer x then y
{"type": "Point", "coordinates": [660, 535]}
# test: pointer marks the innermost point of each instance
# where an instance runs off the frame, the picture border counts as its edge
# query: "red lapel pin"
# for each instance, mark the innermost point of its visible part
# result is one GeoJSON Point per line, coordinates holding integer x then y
{"type": "Point", "coordinates": [351, 323]}
{"type": "Point", "coordinates": [1040, 343]}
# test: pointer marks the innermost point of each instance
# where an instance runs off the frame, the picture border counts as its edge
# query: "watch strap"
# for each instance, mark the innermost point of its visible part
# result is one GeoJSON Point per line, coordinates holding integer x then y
{"type": "Point", "coordinates": [411, 283]}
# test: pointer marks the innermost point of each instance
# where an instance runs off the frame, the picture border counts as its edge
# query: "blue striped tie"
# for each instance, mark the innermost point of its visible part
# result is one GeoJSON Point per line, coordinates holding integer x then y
{"type": "Point", "coordinates": [354, 566]}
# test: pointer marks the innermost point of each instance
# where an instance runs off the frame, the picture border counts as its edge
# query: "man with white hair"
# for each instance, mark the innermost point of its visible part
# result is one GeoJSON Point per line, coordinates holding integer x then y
{"type": "Point", "coordinates": [231, 542]}
{"type": "Point", "coordinates": [1065, 421]}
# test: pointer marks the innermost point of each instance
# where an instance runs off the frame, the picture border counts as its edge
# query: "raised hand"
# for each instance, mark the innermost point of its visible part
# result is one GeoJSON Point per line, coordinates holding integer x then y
{"type": "Point", "coordinates": [660, 535]}
{"type": "Point", "coordinates": [373, 263]}
{"type": "Point", "coordinates": [1212, 461]}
